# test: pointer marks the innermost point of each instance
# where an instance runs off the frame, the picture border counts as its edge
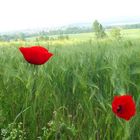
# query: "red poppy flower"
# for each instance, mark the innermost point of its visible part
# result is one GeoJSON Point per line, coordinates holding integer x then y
{"type": "Point", "coordinates": [124, 106]}
{"type": "Point", "coordinates": [36, 55]}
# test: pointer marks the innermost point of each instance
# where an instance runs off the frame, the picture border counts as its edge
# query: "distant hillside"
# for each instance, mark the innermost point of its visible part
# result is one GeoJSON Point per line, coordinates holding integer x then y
{"type": "Point", "coordinates": [125, 23]}
{"type": "Point", "coordinates": [116, 21]}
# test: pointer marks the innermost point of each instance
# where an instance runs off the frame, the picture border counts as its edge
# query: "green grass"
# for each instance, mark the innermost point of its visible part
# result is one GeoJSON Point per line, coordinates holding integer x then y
{"type": "Point", "coordinates": [73, 92]}
{"type": "Point", "coordinates": [125, 33]}
{"type": "Point", "coordinates": [131, 33]}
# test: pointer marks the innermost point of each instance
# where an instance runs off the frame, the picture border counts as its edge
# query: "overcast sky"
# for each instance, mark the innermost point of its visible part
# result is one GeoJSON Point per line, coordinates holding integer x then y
{"type": "Point", "coordinates": [22, 14]}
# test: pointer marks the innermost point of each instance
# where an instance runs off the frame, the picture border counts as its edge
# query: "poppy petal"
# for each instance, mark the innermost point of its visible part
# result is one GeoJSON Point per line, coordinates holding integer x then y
{"type": "Point", "coordinates": [124, 106]}
{"type": "Point", "coordinates": [36, 55]}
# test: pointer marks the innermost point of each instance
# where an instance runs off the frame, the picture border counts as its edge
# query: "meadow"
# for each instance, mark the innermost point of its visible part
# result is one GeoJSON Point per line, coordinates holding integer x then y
{"type": "Point", "coordinates": [72, 92]}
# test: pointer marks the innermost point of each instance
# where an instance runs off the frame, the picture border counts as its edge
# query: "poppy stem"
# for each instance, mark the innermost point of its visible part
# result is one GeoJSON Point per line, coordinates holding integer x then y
{"type": "Point", "coordinates": [34, 99]}
{"type": "Point", "coordinates": [35, 76]}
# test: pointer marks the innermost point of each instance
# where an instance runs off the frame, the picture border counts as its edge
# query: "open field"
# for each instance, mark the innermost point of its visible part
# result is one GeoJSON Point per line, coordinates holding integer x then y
{"type": "Point", "coordinates": [132, 34]}
{"type": "Point", "coordinates": [126, 33]}
{"type": "Point", "coordinates": [72, 92]}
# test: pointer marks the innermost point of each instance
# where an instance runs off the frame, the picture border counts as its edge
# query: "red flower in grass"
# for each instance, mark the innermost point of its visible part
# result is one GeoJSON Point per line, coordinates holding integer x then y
{"type": "Point", "coordinates": [124, 106]}
{"type": "Point", "coordinates": [36, 55]}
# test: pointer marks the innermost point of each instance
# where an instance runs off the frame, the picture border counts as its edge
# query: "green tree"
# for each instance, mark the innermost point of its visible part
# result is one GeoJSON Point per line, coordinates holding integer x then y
{"type": "Point", "coordinates": [116, 33]}
{"type": "Point", "coordinates": [98, 29]}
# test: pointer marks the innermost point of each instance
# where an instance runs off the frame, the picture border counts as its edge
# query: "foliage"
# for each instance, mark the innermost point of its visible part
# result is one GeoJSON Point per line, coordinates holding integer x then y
{"type": "Point", "coordinates": [127, 26]}
{"type": "Point", "coordinates": [13, 132]}
{"type": "Point", "coordinates": [42, 38]}
{"type": "Point", "coordinates": [116, 33]}
{"type": "Point", "coordinates": [62, 37]}
{"type": "Point", "coordinates": [98, 29]}
{"type": "Point", "coordinates": [74, 91]}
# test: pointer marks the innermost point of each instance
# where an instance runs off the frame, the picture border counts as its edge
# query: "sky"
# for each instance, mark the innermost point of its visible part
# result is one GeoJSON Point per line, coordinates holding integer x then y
{"type": "Point", "coordinates": [30, 14]}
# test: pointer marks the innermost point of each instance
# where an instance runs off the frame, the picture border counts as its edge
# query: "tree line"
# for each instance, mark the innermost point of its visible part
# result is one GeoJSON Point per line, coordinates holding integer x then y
{"type": "Point", "coordinates": [63, 33]}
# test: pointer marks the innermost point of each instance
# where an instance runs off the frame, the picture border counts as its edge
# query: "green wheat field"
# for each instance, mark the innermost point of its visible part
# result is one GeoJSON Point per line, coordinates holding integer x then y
{"type": "Point", "coordinates": [73, 91]}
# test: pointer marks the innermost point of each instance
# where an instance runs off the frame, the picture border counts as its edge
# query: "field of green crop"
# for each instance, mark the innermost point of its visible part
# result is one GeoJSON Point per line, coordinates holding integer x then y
{"type": "Point", "coordinates": [69, 97]}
